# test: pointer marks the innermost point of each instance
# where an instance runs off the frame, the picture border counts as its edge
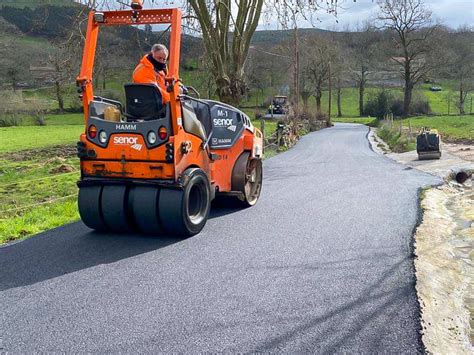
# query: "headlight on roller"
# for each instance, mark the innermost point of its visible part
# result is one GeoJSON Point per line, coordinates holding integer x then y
{"type": "Point", "coordinates": [151, 137]}
{"type": "Point", "coordinates": [102, 137]}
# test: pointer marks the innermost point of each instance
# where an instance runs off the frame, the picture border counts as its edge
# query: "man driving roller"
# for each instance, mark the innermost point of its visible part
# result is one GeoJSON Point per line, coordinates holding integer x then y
{"type": "Point", "coordinates": [152, 69]}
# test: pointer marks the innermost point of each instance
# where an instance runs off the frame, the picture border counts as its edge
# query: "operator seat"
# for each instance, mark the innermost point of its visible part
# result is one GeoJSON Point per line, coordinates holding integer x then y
{"type": "Point", "coordinates": [143, 102]}
{"type": "Point", "coordinates": [191, 121]}
{"type": "Point", "coordinates": [203, 114]}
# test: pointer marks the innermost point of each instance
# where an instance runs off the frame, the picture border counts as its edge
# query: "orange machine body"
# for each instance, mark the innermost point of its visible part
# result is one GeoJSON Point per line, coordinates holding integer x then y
{"type": "Point", "coordinates": [126, 154]}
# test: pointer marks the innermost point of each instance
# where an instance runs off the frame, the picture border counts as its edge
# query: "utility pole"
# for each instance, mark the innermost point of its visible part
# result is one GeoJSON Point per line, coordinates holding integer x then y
{"type": "Point", "coordinates": [296, 69]}
{"type": "Point", "coordinates": [329, 96]}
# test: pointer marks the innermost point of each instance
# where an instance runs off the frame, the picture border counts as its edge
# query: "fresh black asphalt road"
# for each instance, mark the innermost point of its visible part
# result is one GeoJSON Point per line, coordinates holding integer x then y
{"type": "Point", "coordinates": [323, 263]}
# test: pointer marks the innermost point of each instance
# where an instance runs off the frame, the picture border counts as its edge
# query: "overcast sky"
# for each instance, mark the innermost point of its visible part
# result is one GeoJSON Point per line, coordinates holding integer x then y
{"type": "Point", "coordinates": [452, 13]}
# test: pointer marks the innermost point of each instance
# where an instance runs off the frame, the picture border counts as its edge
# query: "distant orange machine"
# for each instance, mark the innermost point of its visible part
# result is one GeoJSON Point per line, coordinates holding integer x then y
{"type": "Point", "coordinates": [156, 167]}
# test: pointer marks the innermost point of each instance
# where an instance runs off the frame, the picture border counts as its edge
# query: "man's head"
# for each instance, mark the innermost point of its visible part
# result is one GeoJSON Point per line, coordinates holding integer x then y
{"type": "Point", "coordinates": [159, 53]}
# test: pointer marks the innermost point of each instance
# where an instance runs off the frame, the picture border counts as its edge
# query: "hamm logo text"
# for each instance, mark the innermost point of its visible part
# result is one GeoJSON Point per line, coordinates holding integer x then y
{"type": "Point", "coordinates": [126, 127]}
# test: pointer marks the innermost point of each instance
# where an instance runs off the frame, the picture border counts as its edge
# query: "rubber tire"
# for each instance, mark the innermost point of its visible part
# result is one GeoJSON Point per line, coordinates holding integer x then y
{"type": "Point", "coordinates": [174, 204]}
{"type": "Point", "coordinates": [239, 178]}
{"type": "Point", "coordinates": [89, 205]}
{"type": "Point", "coordinates": [247, 197]}
{"type": "Point", "coordinates": [114, 206]}
{"type": "Point", "coordinates": [144, 206]}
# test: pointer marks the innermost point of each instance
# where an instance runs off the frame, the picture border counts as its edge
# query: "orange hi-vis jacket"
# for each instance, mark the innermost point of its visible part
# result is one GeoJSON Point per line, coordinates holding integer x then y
{"type": "Point", "coordinates": [145, 73]}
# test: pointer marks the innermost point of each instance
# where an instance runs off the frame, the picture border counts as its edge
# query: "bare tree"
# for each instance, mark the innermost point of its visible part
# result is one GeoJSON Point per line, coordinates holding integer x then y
{"type": "Point", "coordinates": [226, 53]}
{"type": "Point", "coordinates": [227, 28]}
{"type": "Point", "coordinates": [339, 68]}
{"type": "Point", "coordinates": [337, 71]}
{"type": "Point", "coordinates": [364, 54]}
{"type": "Point", "coordinates": [64, 60]}
{"type": "Point", "coordinates": [461, 64]}
{"type": "Point", "coordinates": [66, 57]}
{"type": "Point", "coordinates": [319, 52]}
{"type": "Point", "coordinates": [305, 91]}
{"type": "Point", "coordinates": [13, 73]}
{"type": "Point", "coordinates": [37, 109]}
{"type": "Point", "coordinates": [410, 22]}
{"type": "Point", "coordinates": [267, 68]}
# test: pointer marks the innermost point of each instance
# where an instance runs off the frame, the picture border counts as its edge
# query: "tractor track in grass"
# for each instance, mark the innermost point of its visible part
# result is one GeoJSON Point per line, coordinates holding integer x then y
{"type": "Point", "coordinates": [323, 263]}
{"type": "Point", "coordinates": [55, 151]}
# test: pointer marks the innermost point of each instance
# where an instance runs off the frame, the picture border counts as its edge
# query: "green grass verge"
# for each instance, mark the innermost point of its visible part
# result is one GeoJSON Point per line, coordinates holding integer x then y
{"type": "Point", "coordinates": [361, 120]}
{"type": "Point", "coordinates": [56, 119]}
{"type": "Point", "coordinates": [13, 139]}
{"type": "Point", "coordinates": [37, 191]}
{"type": "Point", "coordinates": [398, 142]}
{"type": "Point", "coordinates": [38, 219]}
{"type": "Point", "coordinates": [452, 128]}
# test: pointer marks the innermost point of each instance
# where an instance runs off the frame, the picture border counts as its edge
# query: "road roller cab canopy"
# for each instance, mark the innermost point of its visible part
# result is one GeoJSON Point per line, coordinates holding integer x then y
{"type": "Point", "coordinates": [136, 16]}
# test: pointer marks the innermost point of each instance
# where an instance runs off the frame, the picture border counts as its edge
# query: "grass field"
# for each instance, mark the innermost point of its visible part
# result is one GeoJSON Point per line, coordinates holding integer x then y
{"type": "Point", "coordinates": [361, 120]}
{"type": "Point", "coordinates": [37, 189]}
{"type": "Point", "coordinates": [65, 119]}
{"type": "Point", "coordinates": [13, 139]}
{"type": "Point", "coordinates": [350, 95]}
{"type": "Point", "coordinates": [350, 99]}
{"type": "Point", "coordinates": [38, 219]}
{"type": "Point", "coordinates": [38, 174]}
{"type": "Point", "coordinates": [452, 128]}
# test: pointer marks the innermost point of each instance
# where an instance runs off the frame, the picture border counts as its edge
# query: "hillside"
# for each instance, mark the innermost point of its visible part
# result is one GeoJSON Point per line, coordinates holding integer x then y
{"type": "Point", "coordinates": [275, 37]}
{"type": "Point", "coordinates": [43, 29]}
{"type": "Point", "coordinates": [32, 4]}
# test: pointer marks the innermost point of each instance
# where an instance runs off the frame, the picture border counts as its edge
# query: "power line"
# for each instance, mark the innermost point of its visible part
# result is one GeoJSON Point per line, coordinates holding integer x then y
{"type": "Point", "coordinates": [269, 53]}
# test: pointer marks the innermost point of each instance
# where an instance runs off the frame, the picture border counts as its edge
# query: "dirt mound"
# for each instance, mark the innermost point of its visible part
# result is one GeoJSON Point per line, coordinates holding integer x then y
{"type": "Point", "coordinates": [63, 168]}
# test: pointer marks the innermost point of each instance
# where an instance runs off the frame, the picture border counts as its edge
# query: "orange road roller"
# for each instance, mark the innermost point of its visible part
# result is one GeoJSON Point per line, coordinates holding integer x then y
{"type": "Point", "coordinates": [153, 166]}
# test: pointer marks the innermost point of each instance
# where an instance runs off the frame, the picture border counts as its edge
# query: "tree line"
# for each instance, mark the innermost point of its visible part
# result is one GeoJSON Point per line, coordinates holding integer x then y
{"type": "Point", "coordinates": [403, 41]}
{"type": "Point", "coordinates": [403, 36]}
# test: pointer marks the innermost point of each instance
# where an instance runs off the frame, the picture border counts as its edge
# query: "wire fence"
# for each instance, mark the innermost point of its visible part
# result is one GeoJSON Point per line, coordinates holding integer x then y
{"type": "Point", "coordinates": [38, 179]}
{"type": "Point", "coordinates": [19, 165]}
{"type": "Point", "coordinates": [20, 208]}
{"type": "Point", "coordinates": [267, 141]}
{"type": "Point", "coordinates": [8, 187]}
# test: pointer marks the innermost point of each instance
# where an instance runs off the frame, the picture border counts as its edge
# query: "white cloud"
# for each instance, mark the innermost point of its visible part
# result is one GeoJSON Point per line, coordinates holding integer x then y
{"type": "Point", "coordinates": [452, 13]}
